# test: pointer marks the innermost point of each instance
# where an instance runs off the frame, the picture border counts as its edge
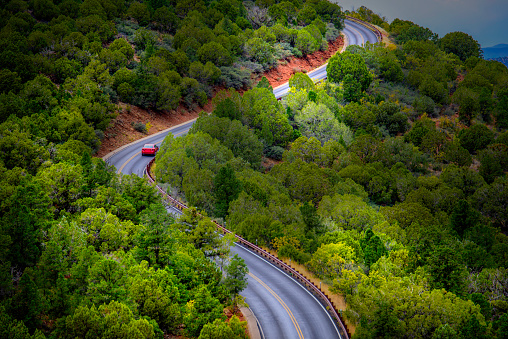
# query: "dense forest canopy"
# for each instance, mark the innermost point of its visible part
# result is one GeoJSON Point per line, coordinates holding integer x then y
{"type": "Point", "coordinates": [387, 181]}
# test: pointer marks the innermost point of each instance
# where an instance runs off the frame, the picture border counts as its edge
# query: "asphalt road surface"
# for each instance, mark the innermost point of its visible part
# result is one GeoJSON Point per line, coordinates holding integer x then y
{"type": "Point", "coordinates": [284, 308]}
{"type": "Point", "coordinates": [356, 34]}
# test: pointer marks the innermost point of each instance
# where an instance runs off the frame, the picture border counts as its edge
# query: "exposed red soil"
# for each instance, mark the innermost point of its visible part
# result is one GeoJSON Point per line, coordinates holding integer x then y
{"type": "Point", "coordinates": [286, 68]}
{"type": "Point", "coordinates": [121, 130]}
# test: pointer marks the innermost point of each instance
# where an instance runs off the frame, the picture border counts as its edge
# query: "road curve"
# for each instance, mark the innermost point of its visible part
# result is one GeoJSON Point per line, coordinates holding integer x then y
{"type": "Point", "coordinates": [284, 308]}
{"type": "Point", "coordinates": [355, 33]}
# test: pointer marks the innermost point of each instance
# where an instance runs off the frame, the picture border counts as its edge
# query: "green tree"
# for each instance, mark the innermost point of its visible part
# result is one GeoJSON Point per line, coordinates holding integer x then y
{"type": "Point", "coordinates": [257, 104]}
{"type": "Point", "coordinates": [476, 137]}
{"type": "Point", "coordinates": [330, 12]}
{"type": "Point", "coordinates": [227, 108]}
{"type": "Point", "coordinates": [306, 15]}
{"type": "Point", "coordinates": [226, 189]}
{"type": "Point", "coordinates": [372, 247]}
{"type": "Point", "coordinates": [469, 104]}
{"type": "Point", "coordinates": [25, 221]}
{"type": "Point", "coordinates": [330, 260]}
{"type": "Point", "coordinates": [460, 44]}
{"type": "Point", "coordinates": [169, 94]}
{"type": "Point", "coordinates": [45, 9]}
{"type": "Point", "coordinates": [215, 53]}
{"type": "Point", "coordinates": [352, 89]}
{"type": "Point", "coordinates": [501, 110]}
{"type": "Point", "coordinates": [463, 217]}
{"type": "Point", "coordinates": [201, 232]}
{"type": "Point", "coordinates": [264, 83]}
{"type": "Point", "coordinates": [192, 92]}
{"type": "Point", "coordinates": [153, 297]}
{"type": "Point", "coordinates": [472, 328]}
{"type": "Point", "coordinates": [491, 200]}
{"type": "Point", "coordinates": [96, 27]}
{"type": "Point", "coordinates": [232, 134]}
{"type": "Point", "coordinates": [19, 150]}
{"type": "Point", "coordinates": [493, 161]}
{"type": "Point", "coordinates": [316, 120]}
{"type": "Point", "coordinates": [345, 63]}
{"type": "Point", "coordinates": [386, 325]}
{"type": "Point", "coordinates": [434, 89]}
{"type": "Point", "coordinates": [234, 329]}
{"type": "Point", "coordinates": [301, 81]}
{"type": "Point", "coordinates": [235, 280]}
{"type": "Point", "coordinates": [123, 46]}
{"type": "Point", "coordinates": [165, 19]}
{"type": "Point", "coordinates": [198, 188]}
{"type": "Point", "coordinates": [26, 304]}
{"type": "Point", "coordinates": [310, 150]}
{"type": "Point", "coordinates": [260, 51]}
{"type": "Point", "coordinates": [420, 129]}
{"type": "Point", "coordinates": [456, 154]}
{"type": "Point", "coordinates": [311, 218]}
{"type": "Point", "coordinates": [39, 94]}
{"type": "Point", "coordinates": [204, 74]}
{"type": "Point", "coordinates": [305, 43]}
{"type": "Point", "coordinates": [155, 242]}
{"type": "Point", "coordinates": [358, 116]}
{"type": "Point", "coordinates": [447, 270]}
{"type": "Point", "coordinates": [203, 308]}
{"type": "Point", "coordinates": [284, 11]}
{"type": "Point", "coordinates": [349, 212]}
{"type": "Point", "coordinates": [109, 320]}
{"type": "Point", "coordinates": [113, 59]}
{"type": "Point", "coordinates": [139, 12]}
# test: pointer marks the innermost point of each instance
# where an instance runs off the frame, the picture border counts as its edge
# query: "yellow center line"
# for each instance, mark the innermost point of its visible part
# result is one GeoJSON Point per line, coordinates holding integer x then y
{"type": "Point", "coordinates": [135, 155]}
{"type": "Point", "coordinates": [361, 35]}
{"type": "Point", "coordinates": [125, 163]}
{"type": "Point", "coordinates": [293, 319]}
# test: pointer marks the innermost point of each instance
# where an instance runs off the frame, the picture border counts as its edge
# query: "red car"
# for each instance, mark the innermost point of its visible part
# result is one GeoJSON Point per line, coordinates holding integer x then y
{"type": "Point", "coordinates": [149, 149]}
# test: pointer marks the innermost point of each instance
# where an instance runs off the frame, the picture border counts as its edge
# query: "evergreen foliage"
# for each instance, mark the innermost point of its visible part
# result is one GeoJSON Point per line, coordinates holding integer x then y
{"type": "Point", "coordinates": [373, 183]}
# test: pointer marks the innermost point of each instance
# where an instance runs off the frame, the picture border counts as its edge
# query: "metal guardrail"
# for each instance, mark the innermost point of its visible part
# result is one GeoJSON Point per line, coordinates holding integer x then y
{"type": "Point", "coordinates": [370, 26]}
{"type": "Point", "coordinates": [309, 285]}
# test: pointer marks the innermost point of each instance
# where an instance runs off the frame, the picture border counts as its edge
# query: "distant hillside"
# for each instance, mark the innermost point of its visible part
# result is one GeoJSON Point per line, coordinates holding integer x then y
{"type": "Point", "coordinates": [503, 60]}
{"type": "Point", "coordinates": [496, 51]}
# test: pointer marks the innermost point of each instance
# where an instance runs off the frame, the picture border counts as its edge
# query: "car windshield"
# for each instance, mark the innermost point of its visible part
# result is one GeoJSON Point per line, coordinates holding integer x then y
{"type": "Point", "coordinates": [148, 146]}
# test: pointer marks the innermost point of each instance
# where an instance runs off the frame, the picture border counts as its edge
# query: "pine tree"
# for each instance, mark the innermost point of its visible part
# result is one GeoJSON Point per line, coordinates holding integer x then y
{"type": "Point", "coordinates": [227, 187]}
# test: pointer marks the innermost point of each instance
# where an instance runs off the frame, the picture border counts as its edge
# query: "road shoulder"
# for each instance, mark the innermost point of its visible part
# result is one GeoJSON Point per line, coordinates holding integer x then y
{"type": "Point", "coordinates": [252, 323]}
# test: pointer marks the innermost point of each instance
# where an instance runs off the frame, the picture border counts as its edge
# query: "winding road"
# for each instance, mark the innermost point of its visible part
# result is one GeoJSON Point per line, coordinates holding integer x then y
{"type": "Point", "coordinates": [283, 307]}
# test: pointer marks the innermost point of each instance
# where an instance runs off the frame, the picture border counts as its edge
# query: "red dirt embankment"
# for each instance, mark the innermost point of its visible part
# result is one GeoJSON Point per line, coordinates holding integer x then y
{"type": "Point", "coordinates": [122, 132]}
{"type": "Point", "coordinates": [286, 68]}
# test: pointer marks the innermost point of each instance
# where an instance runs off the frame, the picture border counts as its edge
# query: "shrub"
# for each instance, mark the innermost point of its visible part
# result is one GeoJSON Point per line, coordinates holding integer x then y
{"type": "Point", "coordinates": [143, 38]}
{"type": "Point", "coordinates": [297, 53]}
{"type": "Point", "coordinates": [139, 126]}
{"type": "Point", "coordinates": [253, 66]}
{"type": "Point", "coordinates": [283, 51]}
{"type": "Point", "coordinates": [476, 137]}
{"type": "Point", "coordinates": [235, 78]}
{"type": "Point", "coordinates": [424, 104]}
{"type": "Point", "coordinates": [274, 152]}
{"type": "Point", "coordinates": [332, 33]}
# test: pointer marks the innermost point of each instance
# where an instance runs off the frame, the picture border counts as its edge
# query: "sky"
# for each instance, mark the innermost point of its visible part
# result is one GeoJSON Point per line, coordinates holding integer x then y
{"type": "Point", "coordinates": [485, 20]}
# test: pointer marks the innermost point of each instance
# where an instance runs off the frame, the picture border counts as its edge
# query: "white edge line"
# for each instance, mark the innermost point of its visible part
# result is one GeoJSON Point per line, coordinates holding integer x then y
{"type": "Point", "coordinates": [297, 283]}
{"type": "Point", "coordinates": [107, 156]}
{"type": "Point", "coordinates": [258, 323]}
